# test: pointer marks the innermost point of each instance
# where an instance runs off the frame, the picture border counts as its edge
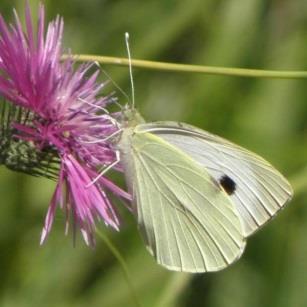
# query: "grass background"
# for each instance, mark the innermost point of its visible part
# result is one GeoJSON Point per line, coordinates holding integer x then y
{"type": "Point", "coordinates": [266, 116]}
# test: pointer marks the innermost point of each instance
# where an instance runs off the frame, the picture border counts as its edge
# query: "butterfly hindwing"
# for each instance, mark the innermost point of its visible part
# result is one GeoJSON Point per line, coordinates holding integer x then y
{"type": "Point", "coordinates": [188, 222]}
{"type": "Point", "coordinates": [256, 188]}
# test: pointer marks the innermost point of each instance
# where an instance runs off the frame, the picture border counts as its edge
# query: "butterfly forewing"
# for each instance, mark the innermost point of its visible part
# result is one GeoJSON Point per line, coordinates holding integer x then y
{"type": "Point", "coordinates": [188, 222]}
{"type": "Point", "coordinates": [256, 188]}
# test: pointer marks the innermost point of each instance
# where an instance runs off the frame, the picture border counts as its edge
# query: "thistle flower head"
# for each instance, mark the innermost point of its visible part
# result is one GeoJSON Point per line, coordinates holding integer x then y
{"type": "Point", "coordinates": [68, 118]}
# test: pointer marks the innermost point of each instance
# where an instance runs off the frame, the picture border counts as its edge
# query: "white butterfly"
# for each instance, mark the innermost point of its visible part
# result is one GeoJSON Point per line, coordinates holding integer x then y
{"type": "Point", "coordinates": [197, 196]}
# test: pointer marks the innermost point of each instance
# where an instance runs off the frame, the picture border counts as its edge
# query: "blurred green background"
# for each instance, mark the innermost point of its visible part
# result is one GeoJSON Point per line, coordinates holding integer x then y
{"type": "Point", "coordinates": [266, 116]}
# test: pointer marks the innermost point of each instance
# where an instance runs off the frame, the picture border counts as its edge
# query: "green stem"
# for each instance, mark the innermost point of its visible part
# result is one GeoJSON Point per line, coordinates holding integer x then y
{"type": "Point", "coordinates": [122, 264]}
{"type": "Point", "coordinates": [212, 70]}
{"type": "Point", "coordinates": [299, 182]}
{"type": "Point", "coordinates": [175, 285]}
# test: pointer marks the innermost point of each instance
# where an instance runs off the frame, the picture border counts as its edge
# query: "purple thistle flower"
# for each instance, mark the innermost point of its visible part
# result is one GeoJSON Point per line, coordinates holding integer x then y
{"type": "Point", "coordinates": [68, 117]}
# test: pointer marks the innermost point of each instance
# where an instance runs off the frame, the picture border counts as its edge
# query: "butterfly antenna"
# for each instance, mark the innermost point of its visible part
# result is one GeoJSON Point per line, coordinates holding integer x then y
{"type": "Point", "coordinates": [112, 81]}
{"type": "Point", "coordinates": [130, 68]}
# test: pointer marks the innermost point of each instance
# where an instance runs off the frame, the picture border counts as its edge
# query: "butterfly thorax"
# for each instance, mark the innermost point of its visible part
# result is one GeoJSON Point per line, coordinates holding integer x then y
{"type": "Point", "coordinates": [129, 120]}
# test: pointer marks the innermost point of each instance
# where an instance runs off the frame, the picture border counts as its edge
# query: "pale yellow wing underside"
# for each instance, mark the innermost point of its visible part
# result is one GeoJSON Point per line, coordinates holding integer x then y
{"type": "Point", "coordinates": [188, 222]}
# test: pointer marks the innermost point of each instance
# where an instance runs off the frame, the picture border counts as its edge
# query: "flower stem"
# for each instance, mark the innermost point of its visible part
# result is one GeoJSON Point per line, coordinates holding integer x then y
{"type": "Point", "coordinates": [175, 285]}
{"type": "Point", "coordinates": [212, 70]}
{"type": "Point", "coordinates": [299, 181]}
{"type": "Point", "coordinates": [122, 264]}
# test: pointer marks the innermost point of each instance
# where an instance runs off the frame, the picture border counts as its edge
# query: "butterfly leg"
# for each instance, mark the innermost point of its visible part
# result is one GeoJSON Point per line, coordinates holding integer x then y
{"type": "Point", "coordinates": [107, 113]}
{"type": "Point", "coordinates": [104, 139]}
{"type": "Point", "coordinates": [105, 169]}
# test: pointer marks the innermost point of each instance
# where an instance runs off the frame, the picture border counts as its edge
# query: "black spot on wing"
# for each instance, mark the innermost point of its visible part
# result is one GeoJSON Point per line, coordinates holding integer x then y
{"type": "Point", "coordinates": [227, 184]}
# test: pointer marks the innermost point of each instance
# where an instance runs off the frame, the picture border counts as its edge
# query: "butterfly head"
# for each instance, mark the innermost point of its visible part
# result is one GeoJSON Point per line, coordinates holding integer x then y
{"type": "Point", "coordinates": [130, 117]}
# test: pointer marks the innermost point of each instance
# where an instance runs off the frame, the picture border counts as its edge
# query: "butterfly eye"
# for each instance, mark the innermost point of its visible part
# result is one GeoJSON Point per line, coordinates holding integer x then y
{"type": "Point", "coordinates": [227, 184]}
